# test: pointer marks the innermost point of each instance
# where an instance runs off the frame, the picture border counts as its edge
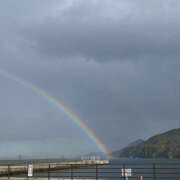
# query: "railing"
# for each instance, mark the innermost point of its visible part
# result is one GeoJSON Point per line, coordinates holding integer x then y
{"type": "Point", "coordinates": [158, 171]}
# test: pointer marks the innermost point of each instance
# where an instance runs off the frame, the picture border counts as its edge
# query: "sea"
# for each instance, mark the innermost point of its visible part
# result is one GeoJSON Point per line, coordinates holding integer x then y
{"type": "Point", "coordinates": [125, 169]}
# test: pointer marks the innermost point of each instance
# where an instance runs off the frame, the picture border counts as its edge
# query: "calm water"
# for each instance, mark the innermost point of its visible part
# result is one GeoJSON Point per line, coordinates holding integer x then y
{"type": "Point", "coordinates": [149, 169]}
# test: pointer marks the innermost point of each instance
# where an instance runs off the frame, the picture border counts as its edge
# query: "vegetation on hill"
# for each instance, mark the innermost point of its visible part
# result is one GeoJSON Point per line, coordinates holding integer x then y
{"type": "Point", "coordinates": [166, 145]}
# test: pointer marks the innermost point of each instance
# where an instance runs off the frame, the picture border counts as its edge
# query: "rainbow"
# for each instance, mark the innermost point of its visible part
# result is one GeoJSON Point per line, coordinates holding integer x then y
{"type": "Point", "coordinates": [60, 105]}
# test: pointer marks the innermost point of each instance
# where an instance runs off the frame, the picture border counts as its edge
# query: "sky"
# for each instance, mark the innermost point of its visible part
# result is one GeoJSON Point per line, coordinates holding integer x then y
{"type": "Point", "coordinates": [115, 63]}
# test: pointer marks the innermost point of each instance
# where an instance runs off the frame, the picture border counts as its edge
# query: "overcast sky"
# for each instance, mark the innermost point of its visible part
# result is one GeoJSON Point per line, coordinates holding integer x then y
{"type": "Point", "coordinates": [116, 63]}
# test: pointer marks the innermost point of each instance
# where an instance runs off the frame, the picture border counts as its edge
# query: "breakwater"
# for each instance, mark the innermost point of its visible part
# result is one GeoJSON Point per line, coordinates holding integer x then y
{"type": "Point", "coordinates": [21, 168]}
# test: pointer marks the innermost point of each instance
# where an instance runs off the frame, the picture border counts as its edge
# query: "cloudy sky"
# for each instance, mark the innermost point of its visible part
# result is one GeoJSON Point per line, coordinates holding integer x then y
{"type": "Point", "coordinates": [116, 63]}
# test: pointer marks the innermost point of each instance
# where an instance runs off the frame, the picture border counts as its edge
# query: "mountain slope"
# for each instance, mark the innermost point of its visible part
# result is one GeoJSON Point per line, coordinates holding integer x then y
{"type": "Point", "coordinates": [135, 143]}
{"type": "Point", "coordinates": [166, 145]}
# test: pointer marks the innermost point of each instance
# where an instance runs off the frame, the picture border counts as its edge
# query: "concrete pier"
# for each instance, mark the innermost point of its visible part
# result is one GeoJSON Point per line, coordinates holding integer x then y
{"type": "Point", "coordinates": [8, 170]}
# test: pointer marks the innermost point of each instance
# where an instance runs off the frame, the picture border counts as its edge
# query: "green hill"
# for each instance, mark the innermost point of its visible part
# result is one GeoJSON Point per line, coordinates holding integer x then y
{"type": "Point", "coordinates": [166, 145]}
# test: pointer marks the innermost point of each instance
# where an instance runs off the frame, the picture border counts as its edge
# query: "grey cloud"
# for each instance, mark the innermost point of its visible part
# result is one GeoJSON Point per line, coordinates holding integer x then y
{"type": "Point", "coordinates": [49, 46]}
{"type": "Point", "coordinates": [93, 31]}
{"type": "Point", "coordinates": [132, 98]}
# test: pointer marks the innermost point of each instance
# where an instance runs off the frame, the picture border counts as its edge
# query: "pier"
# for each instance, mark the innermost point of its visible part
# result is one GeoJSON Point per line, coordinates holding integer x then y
{"type": "Point", "coordinates": [20, 169]}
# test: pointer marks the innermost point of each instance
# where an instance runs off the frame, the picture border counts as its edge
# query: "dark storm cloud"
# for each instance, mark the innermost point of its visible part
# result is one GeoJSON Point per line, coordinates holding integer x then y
{"type": "Point", "coordinates": [141, 89]}
{"type": "Point", "coordinates": [111, 30]}
{"type": "Point", "coordinates": [132, 95]}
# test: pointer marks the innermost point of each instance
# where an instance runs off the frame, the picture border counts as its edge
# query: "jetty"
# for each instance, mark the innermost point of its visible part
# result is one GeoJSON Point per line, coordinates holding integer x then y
{"type": "Point", "coordinates": [12, 169]}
